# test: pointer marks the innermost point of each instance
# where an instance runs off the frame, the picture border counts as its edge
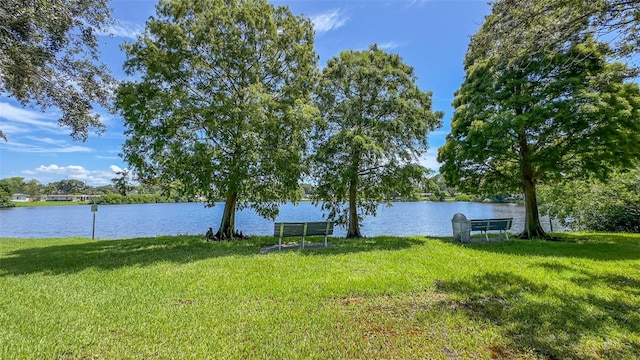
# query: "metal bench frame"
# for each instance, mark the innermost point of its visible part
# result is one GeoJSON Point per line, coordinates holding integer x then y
{"type": "Point", "coordinates": [484, 225]}
{"type": "Point", "coordinates": [287, 229]}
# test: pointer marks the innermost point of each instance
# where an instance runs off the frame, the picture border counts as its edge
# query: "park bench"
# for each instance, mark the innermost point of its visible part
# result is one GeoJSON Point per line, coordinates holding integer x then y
{"type": "Point", "coordinates": [484, 225]}
{"type": "Point", "coordinates": [288, 229]}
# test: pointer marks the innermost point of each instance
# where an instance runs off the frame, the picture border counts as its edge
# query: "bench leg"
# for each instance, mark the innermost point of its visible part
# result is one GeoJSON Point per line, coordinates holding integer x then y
{"type": "Point", "coordinates": [326, 231]}
{"type": "Point", "coordinates": [304, 232]}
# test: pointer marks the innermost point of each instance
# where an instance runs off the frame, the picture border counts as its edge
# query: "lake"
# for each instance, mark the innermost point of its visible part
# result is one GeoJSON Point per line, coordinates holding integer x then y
{"type": "Point", "coordinates": [147, 220]}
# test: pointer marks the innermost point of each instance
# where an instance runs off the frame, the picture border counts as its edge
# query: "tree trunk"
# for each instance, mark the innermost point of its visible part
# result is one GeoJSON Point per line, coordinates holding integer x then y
{"type": "Point", "coordinates": [228, 224]}
{"type": "Point", "coordinates": [354, 226]}
{"type": "Point", "coordinates": [532, 228]}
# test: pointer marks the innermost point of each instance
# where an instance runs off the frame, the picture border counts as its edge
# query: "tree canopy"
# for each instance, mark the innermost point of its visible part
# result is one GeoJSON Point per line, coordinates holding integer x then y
{"type": "Point", "coordinates": [49, 58]}
{"type": "Point", "coordinates": [561, 112]}
{"type": "Point", "coordinates": [519, 28]}
{"type": "Point", "coordinates": [374, 126]}
{"type": "Point", "coordinates": [223, 102]}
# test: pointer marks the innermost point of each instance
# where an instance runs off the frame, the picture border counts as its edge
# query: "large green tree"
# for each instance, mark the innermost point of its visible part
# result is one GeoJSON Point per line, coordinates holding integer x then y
{"type": "Point", "coordinates": [561, 112]}
{"type": "Point", "coordinates": [49, 57]}
{"type": "Point", "coordinates": [374, 127]}
{"type": "Point", "coordinates": [70, 187]}
{"type": "Point", "coordinates": [222, 103]}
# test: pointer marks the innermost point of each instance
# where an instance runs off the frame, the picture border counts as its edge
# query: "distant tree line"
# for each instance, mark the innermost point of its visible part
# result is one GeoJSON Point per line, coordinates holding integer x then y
{"type": "Point", "coordinates": [122, 191]}
{"type": "Point", "coordinates": [110, 194]}
{"type": "Point", "coordinates": [33, 187]}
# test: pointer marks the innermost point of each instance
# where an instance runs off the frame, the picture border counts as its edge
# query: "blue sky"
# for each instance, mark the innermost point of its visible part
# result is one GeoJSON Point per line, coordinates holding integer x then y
{"type": "Point", "coordinates": [430, 35]}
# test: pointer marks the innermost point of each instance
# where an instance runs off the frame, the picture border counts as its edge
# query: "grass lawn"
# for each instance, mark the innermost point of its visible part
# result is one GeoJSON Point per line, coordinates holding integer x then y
{"type": "Point", "coordinates": [383, 297]}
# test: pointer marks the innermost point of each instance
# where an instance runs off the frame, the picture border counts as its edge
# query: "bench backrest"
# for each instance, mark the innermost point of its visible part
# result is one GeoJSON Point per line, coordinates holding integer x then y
{"type": "Point", "coordinates": [491, 224]}
{"type": "Point", "coordinates": [285, 229]}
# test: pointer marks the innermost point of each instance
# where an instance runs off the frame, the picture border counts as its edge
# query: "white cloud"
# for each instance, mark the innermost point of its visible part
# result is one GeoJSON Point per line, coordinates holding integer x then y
{"type": "Point", "coordinates": [115, 168]}
{"type": "Point", "coordinates": [51, 169]}
{"type": "Point", "coordinates": [13, 129]}
{"type": "Point", "coordinates": [389, 45]}
{"type": "Point", "coordinates": [429, 160]}
{"type": "Point", "coordinates": [15, 121]}
{"type": "Point", "coordinates": [45, 146]}
{"type": "Point", "coordinates": [54, 172]}
{"type": "Point", "coordinates": [418, 3]}
{"type": "Point", "coordinates": [49, 141]}
{"type": "Point", "coordinates": [21, 115]}
{"type": "Point", "coordinates": [330, 20]}
{"type": "Point", "coordinates": [124, 29]}
{"type": "Point", "coordinates": [108, 157]}
{"type": "Point", "coordinates": [439, 133]}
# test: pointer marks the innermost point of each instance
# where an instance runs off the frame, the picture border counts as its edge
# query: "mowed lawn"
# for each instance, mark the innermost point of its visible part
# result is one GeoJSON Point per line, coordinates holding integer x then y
{"type": "Point", "coordinates": [383, 297]}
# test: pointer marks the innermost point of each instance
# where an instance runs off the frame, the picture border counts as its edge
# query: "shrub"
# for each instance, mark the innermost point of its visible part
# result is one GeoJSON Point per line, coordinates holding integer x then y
{"type": "Point", "coordinates": [585, 204]}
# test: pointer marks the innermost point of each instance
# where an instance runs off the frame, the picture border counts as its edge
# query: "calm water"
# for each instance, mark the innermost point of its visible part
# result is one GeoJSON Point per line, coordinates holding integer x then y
{"type": "Point", "coordinates": [126, 221]}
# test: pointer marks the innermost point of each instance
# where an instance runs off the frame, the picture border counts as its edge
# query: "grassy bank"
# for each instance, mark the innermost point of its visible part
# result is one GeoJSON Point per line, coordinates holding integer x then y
{"type": "Point", "coordinates": [49, 203]}
{"type": "Point", "coordinates": [383, 297]}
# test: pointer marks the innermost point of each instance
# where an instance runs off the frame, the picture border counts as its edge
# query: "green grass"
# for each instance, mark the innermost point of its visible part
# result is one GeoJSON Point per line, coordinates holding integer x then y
{"type": "Point", "coordinates": [48, 203]}
{"type": "Point", "coordinates": [383, 297]}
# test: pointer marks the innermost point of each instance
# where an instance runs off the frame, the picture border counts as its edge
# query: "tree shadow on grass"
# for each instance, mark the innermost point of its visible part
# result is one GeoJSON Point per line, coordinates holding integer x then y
{"type": "Point", "coordinates": [599, 247]}
{"type": "Point", "coordinates": [114, 254]}
{"type": "Point", "coordinates": [549, 321]}
{"type": "Point", "coordinates": [377, 243]}
{"type": "Point", "coordinates": [592, 280]}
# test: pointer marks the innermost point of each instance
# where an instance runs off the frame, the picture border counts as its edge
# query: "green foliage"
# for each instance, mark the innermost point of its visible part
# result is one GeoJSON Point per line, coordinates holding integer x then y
{"type": "Point", "coordinates": [33, 187]}
{"type": "Point", "coordinates": [463, 197]}
{"type": "Point", "coordinates": [611, 205]}
{"type": "Point", "coordinates": [308, 189]}
{"type": "Point", "coordinates": [17, 185]}
{"type": "Point", "coordinates": [380, 298]}
{"type": "Point", "coordinates": [222, 104]}
{"type": "Point", "coordinates": [5, 195]}
{"type": "Point", "coordinates": [71, 186]}
{"type": "Point", "coordinates": [13, 185]}
{"type": "Point", "coordinates": [112, 199]}
{"type": "Point", "coordinates": [374, 126]}
{"type": "Point", "coordinates": [147, 193]}
{"type": "Point", "coordinates": [566, 112]}
{"type": "Point", "coordinates": [617, 217]}
{"type": "Point", "coordinates": [519, 29]}
{"type": "Point", "coordinates": [48, 57]}
{"type": "Point", "coordinates": [122, 182]}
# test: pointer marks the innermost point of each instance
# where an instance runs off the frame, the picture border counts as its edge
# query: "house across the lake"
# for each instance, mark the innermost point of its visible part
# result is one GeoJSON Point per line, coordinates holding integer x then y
{"type": "Point", "coordinates": [20, 197]}
{"type": "Point", "coordinates": [75, 198]}
{"type": "Point", "coordinates": [69, 197]}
